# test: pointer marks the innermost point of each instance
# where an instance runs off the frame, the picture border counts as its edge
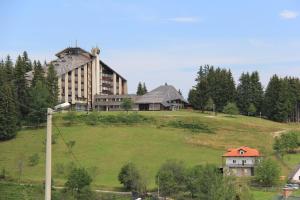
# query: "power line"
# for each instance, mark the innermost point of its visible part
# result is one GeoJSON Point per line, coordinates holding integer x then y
{"type": "Point", "coordinates": [70, 150]}
{"type": "Point", "coordinates": [25, 106]}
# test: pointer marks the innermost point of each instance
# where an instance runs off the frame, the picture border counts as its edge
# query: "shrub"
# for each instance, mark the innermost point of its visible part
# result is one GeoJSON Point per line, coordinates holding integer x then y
{"type": "Point", "coordinates": [231, 109]}
{"type": "Point", "coordinates": [131, 178]}
{"type": "Point", "coordinates": [91, 118]}
{"type": "Point", "coordinates": [34, 159]}
{"type": "Point", "coordinates": [171, 178]}
{"type": "Point", "coordinates": [132, 118]}
{"type": "Point", "coordinates": [127, 104]}
{"type": "Point", "coordinates": [252, 110]}
{"type": "Point", "coordinates": [267, 173]}
{"type": "Point", "coordinates": [192, 126]}
{"type": "Point", "coordinates": [69, 118]}
{"type": "Point", "coordinates": [78, 179]}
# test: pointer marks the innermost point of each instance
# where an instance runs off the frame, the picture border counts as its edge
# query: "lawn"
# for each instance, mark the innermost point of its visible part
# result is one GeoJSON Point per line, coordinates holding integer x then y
{"type": "Point", "coordinates": [103, 149]}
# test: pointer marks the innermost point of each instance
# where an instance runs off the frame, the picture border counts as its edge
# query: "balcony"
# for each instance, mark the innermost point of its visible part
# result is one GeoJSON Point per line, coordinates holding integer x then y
{"type": "Point", "coordinates": [240, 165]}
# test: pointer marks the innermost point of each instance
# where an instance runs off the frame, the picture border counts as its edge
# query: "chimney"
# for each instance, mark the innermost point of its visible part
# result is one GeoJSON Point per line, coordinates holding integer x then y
{"type": "Point", "coordinates": [95, 51]}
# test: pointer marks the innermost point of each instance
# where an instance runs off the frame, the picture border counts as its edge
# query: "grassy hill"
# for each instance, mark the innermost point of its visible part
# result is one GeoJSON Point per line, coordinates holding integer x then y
{"type": "Point", "coordinates": [104, 148]}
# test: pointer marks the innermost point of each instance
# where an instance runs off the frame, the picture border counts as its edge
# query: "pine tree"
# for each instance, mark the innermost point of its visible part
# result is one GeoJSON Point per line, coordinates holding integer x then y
{"type": "Point", "coordinates": [202, 94]}
{"type": "Point", "coordinates": [38, 73]}
{"type": "Point", "coordinates": [8, 115]}
{"type": "Point", "coordinates": [210, 104]}
{"type": "Point", "coordinates": [244, 93]}
{"type": "Point", "coordinates": [21, 87]}
{"type": "Point", "coordinates": [221, 87]}
{"type": "Point", "coordinates": [271, 97]}
{"type": "Point", "coordinates": [282, 106]}
{"type": "Point", "coordinates": [144, 88]}
{"type": "Point", "coordinates": [139, 91]}
{"type": "Point", "coordinates": [27, 62]}
{"type": "Point", "coordinates": [256, 91]}
{"type": "Point", "coordinates": [38, 103]}
{"type": "Point", "coordinates": [277, 103]}
{"type": "Point", "coordinates": [52, 86]}
{"type": "Point", "coordinates": [8, 69]}
{"type": "Point", "coordinates": [192, 97]}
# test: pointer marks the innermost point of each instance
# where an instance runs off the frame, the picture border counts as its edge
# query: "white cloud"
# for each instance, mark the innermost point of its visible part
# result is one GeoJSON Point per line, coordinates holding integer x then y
{"type": "Point", "coordinates": [184, 19]}
{"type": "Point", "coordinates": [288, 14]}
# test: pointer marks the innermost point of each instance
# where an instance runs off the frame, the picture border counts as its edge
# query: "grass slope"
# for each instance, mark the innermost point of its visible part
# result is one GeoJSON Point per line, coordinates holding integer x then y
{"type": "Point", "coordinates": [107, 148]}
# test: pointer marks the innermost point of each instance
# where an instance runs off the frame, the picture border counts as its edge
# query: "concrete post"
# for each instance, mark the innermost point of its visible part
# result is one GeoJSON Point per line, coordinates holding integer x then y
{"type": "Point", "coordinates": [79, 81]}
{"type": "Point", "coordinates": [59, 89]}
{"type": "Point", "coordinates": [66, 87]}
{"type": "Point", "coordinates": [48, 155]}
{"type": "Point", "coordinates": [114, 83]}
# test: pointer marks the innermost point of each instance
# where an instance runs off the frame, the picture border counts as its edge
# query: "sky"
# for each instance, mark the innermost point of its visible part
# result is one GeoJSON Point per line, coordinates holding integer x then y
{"type": "Point", "coordinates": [160, 41]}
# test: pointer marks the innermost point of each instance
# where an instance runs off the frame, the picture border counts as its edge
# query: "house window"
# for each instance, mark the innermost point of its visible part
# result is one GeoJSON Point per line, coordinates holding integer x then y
{"type": "Point", "coordinates": [234, 161]}
{"type": "Point", "coordinates": [242, 152]}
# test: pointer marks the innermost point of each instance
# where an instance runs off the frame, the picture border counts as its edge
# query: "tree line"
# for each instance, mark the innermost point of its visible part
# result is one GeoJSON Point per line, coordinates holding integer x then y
{"type": "Point", "coordinates": [23, 102]}
{"type": "Point", "coordinates": [206, 182]}
{"type": "Point", "coordinates": [215, 90]}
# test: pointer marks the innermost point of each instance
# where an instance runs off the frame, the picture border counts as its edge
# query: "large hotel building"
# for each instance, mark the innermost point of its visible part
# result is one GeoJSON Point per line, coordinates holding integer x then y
{"type": "Point", "coordinates": [87, 83]}
{"type": "Point", "coordinates": [82, 76]}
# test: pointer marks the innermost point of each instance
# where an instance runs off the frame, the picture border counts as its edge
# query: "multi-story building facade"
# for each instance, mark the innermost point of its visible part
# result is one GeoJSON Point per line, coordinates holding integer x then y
{"type": "Point", "coordinates": [240, 161]}
{"type": "Point", "coordinates": [82, 75]}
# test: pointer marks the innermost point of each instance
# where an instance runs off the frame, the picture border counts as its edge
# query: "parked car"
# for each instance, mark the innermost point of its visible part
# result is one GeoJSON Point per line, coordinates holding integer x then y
{"type": "Point", "coordinates": [292, 186]}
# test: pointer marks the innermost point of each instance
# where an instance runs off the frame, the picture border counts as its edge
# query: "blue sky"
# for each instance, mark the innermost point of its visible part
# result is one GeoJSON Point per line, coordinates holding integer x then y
{"type": "Point", "coordinates": [158, 41]}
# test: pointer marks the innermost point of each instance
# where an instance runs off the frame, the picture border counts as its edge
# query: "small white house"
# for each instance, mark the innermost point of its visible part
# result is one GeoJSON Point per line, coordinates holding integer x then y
{"type": "Point", "coordinates": [295, 175]}
{"type": "Point", "coordinates": [240, 161]}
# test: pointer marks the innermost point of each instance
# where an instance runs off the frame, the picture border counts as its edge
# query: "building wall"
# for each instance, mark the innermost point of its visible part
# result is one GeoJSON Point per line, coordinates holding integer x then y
{"type": "Point", "coordinates": [79, 85]}
{"type": "Point", "coordinates": [242, 171]}
{"type": "Point", "coordinates": [239, 161]}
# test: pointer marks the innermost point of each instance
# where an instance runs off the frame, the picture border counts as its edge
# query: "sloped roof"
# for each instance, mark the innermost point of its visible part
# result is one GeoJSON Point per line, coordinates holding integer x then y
{"type": "Point", "coordinates": [70, 58]}
{"type": "Point", "coordinates": [163, 94]}
{"type": "Point", "coordinates": [73, 50]}
{"type": "Point", "coordinates": [247, 152]}
{"type": "Point", "coordinates": [69, 62]}
{"type": "Point", "coordinates": [293, 173]}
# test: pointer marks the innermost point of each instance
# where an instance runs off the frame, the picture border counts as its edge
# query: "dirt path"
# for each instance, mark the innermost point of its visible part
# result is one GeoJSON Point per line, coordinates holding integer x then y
{"type": "Point", "coordinates": [278, 133]}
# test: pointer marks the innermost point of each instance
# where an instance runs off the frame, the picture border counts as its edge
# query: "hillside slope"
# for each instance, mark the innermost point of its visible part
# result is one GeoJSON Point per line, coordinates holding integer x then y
{"type": "Point", "coordinates": [104, 148]}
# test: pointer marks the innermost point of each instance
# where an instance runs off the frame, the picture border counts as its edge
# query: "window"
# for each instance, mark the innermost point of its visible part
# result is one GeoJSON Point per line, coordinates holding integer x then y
{"type": "Point", "coordinates": [241, 152]}
{"type": "Point", "coordinates": [234, 161]}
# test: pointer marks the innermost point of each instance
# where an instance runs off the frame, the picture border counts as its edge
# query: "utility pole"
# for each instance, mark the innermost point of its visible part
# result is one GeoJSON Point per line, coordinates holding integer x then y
{"type": "Point", "coordinates": [48, 148]}
{"type": "Point", "coordinates": [48, 155]}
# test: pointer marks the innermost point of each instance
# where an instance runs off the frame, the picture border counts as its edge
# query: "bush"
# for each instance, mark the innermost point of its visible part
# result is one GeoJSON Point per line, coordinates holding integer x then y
{"type": "Point", "coordinates": [192, 126]}
{"type": "Point", "coordinates": [34, 159]}
{"type": "Point", "coordinates": [267, 173]}
{"type": "Point", "coordinates": [91, 118]}
{"type": "Point", "coordinates": [132, 118]}
{"type": "Point", "coordinates": [70, 118]}
{"type": "Point", "coordinates": [131, 178]}
{"type": "Point", "coordinates": [252, 110]}
{"type": "Point", "coordinates": [286, 143]}
{"type": "Point", "coordinates": [78, 179]}
{"type": "Point", "coordinates": [231, 109]}
{"type": "Point", "coordinates": [171, 178]}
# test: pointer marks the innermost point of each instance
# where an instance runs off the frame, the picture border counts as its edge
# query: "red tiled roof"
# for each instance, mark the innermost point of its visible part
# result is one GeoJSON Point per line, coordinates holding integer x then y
{"type": "Point", "coordinates": [247, 152]}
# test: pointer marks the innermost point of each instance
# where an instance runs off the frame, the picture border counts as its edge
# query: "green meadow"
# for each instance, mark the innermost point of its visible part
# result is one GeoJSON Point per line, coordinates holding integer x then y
{"type": "Point", "coordinates": [103, 148]}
